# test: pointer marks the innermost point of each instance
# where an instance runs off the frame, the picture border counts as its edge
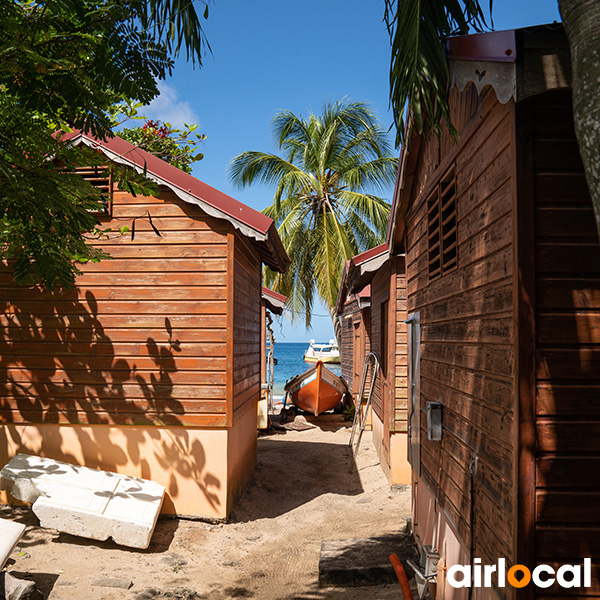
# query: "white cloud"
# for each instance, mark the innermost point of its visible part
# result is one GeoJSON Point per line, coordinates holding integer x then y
{"type": "Point", "coordinates": [167, 107]}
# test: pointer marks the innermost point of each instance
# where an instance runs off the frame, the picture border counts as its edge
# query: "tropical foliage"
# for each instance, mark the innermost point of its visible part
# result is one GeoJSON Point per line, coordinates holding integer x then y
{"type": "Point", "coordinates": [175, 146]}
{"type": "Point", "coordinates": [68, 64]}
{"type": "Point", "coordinates": [419, 77]}
{"type": "Point", "coordinates": [323, 205]}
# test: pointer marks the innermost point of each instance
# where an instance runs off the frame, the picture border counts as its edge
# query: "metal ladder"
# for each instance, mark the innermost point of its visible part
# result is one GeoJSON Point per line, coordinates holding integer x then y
{"type": "Point", "coordinates": [360, 421]}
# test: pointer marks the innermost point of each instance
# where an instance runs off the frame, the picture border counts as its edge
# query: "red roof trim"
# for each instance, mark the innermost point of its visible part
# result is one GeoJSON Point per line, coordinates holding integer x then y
{"type": "Point", "coordinates": [181, 180]}
{"type": "Point", "coordinates": [365, 292]}
{"type": "Point", "coordinates": [495, 46]}
{"type": "Point", "coordinates": [369, 254]}
{"type": "Point", "coordinates": [277, 296]}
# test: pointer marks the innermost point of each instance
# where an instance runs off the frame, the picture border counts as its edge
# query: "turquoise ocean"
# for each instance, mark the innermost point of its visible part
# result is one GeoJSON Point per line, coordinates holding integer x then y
{"type": "Point", "coordinates": [290, 362]}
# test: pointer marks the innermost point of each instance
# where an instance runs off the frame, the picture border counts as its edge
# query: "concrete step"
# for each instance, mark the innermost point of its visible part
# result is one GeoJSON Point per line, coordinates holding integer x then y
{"type": "Point", "coordinates": [364, 561]}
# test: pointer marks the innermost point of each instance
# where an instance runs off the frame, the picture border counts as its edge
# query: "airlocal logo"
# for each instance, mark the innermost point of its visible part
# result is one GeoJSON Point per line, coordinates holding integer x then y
{"type": "Point", "coordinates": [543, 576]}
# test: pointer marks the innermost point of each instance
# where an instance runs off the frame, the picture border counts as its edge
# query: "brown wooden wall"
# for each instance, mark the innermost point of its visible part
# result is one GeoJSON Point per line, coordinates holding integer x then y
{"type": "Point", "coordinates": [566, 265]}
{"type": "Point", "coordinates": [246, 325]}
{"type": "Point", "coordinates": [350, 313]}
{"type": "Point", "coordinates": [400, 348]}
{"type": "Point", "coordinates": [362, 347]}
{"type": "Point", "coordinates": [141, 340]}
{"type": "Point", "coordinates": [380, 294]}
{"type": "Point", "coordinates": [466, 315]}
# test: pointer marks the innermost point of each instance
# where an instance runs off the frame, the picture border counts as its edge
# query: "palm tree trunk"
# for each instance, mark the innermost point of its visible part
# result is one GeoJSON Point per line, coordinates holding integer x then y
{"type": "Point", "coordinates": [582, 25]}
{"type": "Point", "coordinates": [337, 328]}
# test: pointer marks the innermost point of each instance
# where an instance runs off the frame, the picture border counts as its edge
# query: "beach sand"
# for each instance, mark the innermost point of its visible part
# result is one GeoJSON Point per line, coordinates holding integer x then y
{"type": "Point", "coordinates": [300, 495]}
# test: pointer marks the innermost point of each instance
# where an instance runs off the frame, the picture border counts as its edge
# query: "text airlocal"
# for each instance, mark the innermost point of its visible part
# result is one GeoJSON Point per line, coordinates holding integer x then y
{"type": "Point", "coordinates": [543, 576]}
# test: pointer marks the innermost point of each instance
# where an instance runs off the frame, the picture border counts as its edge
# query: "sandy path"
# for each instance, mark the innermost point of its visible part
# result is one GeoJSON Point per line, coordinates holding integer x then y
{"type": "Point", "coordinates": [300, 495]}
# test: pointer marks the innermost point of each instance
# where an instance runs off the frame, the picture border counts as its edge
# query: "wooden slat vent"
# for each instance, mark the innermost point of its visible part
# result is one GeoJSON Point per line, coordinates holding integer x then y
{"type": "Point", "coordinates": [442, 227]}
{"type": "Point", "coordinates": [101, 178]}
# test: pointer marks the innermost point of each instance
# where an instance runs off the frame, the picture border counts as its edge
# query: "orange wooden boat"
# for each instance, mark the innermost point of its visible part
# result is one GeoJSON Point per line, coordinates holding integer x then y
{"type": "Point", "coordinates": [316, 390]}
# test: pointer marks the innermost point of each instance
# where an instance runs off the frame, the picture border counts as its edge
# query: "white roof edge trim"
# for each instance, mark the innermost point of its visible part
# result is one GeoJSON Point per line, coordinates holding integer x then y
{"type": "Point", "coordinates": [274, 301]}
{"type": "Point", "coordinates": [373, 264]}
{"type": "Point", "coordinates": [209, 209]}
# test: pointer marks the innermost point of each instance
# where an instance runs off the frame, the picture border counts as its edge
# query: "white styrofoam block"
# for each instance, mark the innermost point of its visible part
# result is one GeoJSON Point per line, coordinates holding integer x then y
{"type": "Point", "coordinates": [86, 502]}
{"type": "Point", "coordinates": [10, 534]}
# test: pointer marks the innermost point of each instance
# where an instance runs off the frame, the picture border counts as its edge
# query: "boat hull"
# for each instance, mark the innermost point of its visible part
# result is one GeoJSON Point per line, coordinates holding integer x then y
{"type": "Point", "coordinates": [327, 353]}
{"type": "Point", "coordinates": [316, 390]}
{"type": "Point", "coordinates": [324, 359]}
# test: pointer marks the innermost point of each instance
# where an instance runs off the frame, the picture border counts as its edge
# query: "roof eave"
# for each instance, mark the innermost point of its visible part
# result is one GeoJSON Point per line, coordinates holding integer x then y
{"type": "Point", "coordinates": [273, 254]}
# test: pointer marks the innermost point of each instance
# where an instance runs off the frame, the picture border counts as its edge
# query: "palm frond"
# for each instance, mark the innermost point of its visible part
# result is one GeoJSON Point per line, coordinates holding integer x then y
{"type": "Point", "coordinates": [418, 70]}
{"type": "Point", "coordinates": [373, 210]}
{"type": "Point", "coordinates": [378, 174]}
{"type": "Point", "coordinates": [322, 207]}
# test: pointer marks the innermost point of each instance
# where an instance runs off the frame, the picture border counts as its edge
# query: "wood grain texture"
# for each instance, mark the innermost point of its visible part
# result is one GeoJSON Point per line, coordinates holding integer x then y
{"type": "Point", "coordinates": [467, 324]}
{"type": "Point", "coordinates": [350, 318]}
{"type": "Point", "coordinates": [245, 327]}
{"type": "Point", "coordinates": [142, 339]}
{"type": "Point", "coordinates": [567, 344]}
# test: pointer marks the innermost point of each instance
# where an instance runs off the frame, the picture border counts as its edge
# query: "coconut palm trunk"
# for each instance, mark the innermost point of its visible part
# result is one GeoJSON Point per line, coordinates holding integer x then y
{"type": "Point", "coordinates": [581, 19]}
{"type": "Point", "coordinates": [323, 206]}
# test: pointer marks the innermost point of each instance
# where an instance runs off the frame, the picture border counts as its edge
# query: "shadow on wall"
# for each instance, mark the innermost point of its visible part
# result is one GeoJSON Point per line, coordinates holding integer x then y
{"type": "Point", "coordinates": [58, 366]}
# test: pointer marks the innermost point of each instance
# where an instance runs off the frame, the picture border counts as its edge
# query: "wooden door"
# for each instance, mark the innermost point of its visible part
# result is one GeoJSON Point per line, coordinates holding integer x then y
{"type": "Point", "coordinates": [359, 356]}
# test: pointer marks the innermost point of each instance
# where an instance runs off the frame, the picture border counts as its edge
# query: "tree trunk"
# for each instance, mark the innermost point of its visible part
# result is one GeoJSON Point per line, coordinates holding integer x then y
{"type": "Point", "coordinates": [581, 19]}
{"type": "Point", "coordinates": [337, 328]}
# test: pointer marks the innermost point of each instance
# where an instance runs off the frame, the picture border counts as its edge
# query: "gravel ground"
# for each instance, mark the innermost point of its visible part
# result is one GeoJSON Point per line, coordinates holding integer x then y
{"type": "Point", "coordinates": [301, 494]}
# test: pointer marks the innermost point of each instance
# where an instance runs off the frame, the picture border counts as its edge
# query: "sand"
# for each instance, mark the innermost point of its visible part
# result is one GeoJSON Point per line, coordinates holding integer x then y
{"type": "Point", "coordinates": [300, 495]}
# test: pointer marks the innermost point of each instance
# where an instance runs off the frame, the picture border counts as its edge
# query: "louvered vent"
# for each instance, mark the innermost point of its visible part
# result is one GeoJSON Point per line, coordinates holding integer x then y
{"type": "Point", "coordinates": [101, 179]}
{"type": "Point", "coordinates": [442, 227]}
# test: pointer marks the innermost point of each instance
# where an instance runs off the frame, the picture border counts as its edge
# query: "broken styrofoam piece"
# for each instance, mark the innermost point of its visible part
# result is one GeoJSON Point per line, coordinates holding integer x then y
{"type": "Point", "coordinates": [10, 534]}
{"type": "Point", "coordinates": [86, 502]}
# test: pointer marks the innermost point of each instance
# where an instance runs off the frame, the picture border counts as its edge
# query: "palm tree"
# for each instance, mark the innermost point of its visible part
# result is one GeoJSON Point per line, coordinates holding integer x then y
{"type": "Point", "coordinates": [419, 75]}
{"type": "Point", "coordinates": [321, 206]}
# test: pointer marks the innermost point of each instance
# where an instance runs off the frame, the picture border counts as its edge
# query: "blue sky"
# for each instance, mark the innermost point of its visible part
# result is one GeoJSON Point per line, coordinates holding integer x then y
{"type": "Point", "coordinates": [272, 55]}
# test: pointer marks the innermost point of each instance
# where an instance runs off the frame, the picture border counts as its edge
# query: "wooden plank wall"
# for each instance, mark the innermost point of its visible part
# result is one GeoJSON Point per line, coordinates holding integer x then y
{"type": "Point", "coordinates": [246, 326]}
{"type": "Point", "coordinates": [382, 282]}
{"type": "Point", "coordinates": [567, 336]}
{"type": "Point", "coordinates": [142, 338]}
{"type": "Point", "coordinates": [400, 411]}
{"type": "Point", "coordinates": [467, 354]}
{"type": "Point", "coordinates": [462, 107]}
{"type": "Point", "coordinates": [350, 312]}
{"type": "Point", "coordinates": [362, 331]}
{"type": "Point", "coordinates": [380, 293]}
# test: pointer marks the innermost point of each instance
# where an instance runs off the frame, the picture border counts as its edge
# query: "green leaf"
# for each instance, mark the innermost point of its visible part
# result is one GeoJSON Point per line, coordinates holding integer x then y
{"type": "Point", "coordinates": [321, 205]}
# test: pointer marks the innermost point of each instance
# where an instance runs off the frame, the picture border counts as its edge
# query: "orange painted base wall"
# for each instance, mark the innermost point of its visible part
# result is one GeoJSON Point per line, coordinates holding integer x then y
{"type": "Point", "coordinates": [203, 470]}
{"type": "Point", "coordinates": [395, 463]}
{"type": "Point", "coordinates": [432, 527]}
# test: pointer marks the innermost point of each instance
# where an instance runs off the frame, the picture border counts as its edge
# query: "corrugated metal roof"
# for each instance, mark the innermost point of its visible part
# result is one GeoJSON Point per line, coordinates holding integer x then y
{"type": "Point", "coordinates": [248, 221]}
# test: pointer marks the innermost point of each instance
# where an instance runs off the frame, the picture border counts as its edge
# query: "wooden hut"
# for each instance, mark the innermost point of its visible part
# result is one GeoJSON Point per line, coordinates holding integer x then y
{"type": "Point", "coordinates": [354, 313]}
{"type": "Point", "coordinates": [503, 290]}
{"type": "Point", "coordinates": [151, 365]}
{"type": "Point", "coordinates": [378, 326]}
{"type": "Point", "coordinates": [274, 303]}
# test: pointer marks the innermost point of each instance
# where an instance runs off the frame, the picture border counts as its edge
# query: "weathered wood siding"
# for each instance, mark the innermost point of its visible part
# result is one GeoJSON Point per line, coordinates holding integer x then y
{"type": "Point", "coordinates": [362, 347]}
{"type": "Point", "coordinates": [350, 313]}
{"type": "Point", "coordinates": [382, 343]}
{"type": "Point", "coordinates": [245, 320]}
{"type": "Point", "coordinates": [400, 345]}
{"type": "Point", "coordinates": [380, 296]}
{"type": "Point", "coordinates": [467, 329]}
{"type": "Point", "coordinates": [567, 342]}
{"type": "Point", "coordinates": [141, 340]}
